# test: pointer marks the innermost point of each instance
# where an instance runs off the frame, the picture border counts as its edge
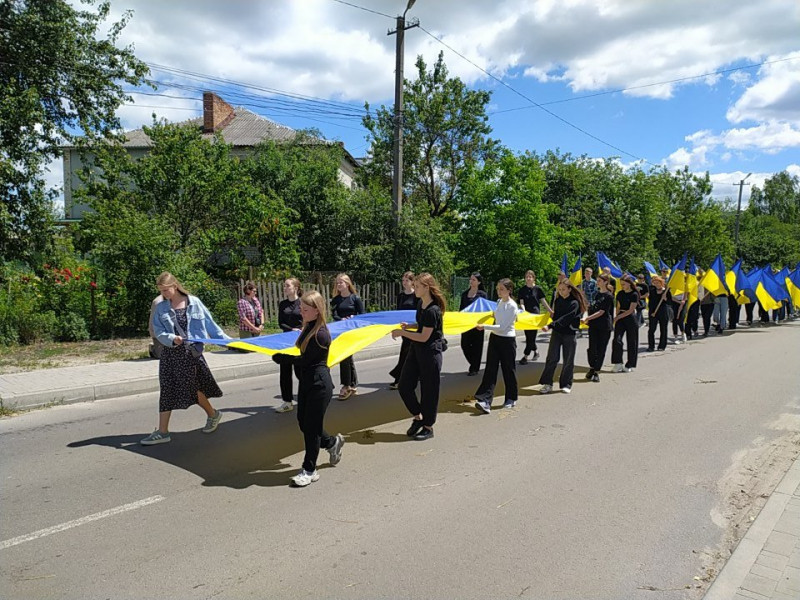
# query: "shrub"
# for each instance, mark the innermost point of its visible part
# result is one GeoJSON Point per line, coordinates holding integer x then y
{"type": "Point", "coordinates": [35, 326]}
{"type": "Point", "coordinates": [72, 328]}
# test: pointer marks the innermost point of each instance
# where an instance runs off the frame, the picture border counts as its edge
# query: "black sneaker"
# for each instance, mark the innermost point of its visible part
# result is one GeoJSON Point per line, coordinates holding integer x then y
{"type": "Point", "coordinates": [523, 360]}
{"type": "Point", "coordinates": [425, 434]}
{"type": "Point", "coordinates": [589, 373]}
{"type": "Point", "coordinates": [416, 425]}
{"type": "Point", "coordinates": [535, 356]}
{"type": "Point", "coordinates": [393, 385]}
{"type": "Point", "coordinates": [595, 378]}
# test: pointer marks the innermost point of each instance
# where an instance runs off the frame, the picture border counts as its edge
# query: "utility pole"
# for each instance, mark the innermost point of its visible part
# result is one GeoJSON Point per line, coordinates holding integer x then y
{"type": "Point", "coordinates": [738, 212]}
{"type": "Point", "coordinates": [397, 150]}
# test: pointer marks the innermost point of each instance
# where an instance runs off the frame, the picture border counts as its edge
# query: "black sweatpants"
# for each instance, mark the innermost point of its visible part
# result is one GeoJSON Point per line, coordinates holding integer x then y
{"type": "Point", "coordinates": [313, 398]}
{"type": "Point", "coordinates": [530, 341]}
{"type": "Point", "coordinates": [560, 344]}
{"type": "Point", "coordinates": [501, 354]}
{"type": "Point", "coordinates": [347, 372]}
{"type": "Point", "coordinates": [287, 370]}
{"type": "Point", "coordinates": [707, 310]}
{"type": "Point", "coordinates": [598, 344]}
{"type": "Point", "coordinates": [734, 309]}
{"type": "Point", "coordinates": [660, 320]}
{"type": "Point", "coordinates": [626, 328]}
{"type": "Point", "coordinates": [693, 319]}
{"type": "Point", "coordinates": [398, 369]}
{"type": "Point", "coordinates": [422, 365]}
{"type": "Point", "coordinates": [678, 312]}
{"type": "Point", "coordinates": [748, 312]}
{"type": "Point", "coordinates": [472, 347]}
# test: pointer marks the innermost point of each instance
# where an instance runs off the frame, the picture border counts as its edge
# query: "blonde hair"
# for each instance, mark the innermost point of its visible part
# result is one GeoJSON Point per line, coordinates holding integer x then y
{"type": "Point", "coordinates": [167, 279]}
{"type": "Point", "coordinates": [657, 279]}
{"type": "Point", "coordinates": [433, 287]}
{"type": "Point", "coordinates": [346, 278]}
{"type": "Point", "coordinates": [313, 299]}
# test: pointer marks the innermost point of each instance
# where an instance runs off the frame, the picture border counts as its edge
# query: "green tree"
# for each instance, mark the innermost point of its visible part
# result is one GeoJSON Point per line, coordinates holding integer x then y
{"type": "Point", "coordinates": [506, 228]}
{"type": "Point", "coordinates": [58, 79]}
{"type": "Point", "coordinates": [445, 129]}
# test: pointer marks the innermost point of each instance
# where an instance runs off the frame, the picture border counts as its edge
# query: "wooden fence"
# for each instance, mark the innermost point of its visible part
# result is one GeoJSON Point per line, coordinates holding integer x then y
{"type": "Point", "coordinates": [376, 296]}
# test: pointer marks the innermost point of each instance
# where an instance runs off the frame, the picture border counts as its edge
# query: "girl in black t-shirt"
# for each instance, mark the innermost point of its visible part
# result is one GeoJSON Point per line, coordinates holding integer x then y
{"type": "Point", "coordinates": [289, 319]}
{"type": "Point", "coordinates": [568, 307]}
{"type": "Point", "coordinates": [660, 299]}
{"type": "Point", "coordinates": [424, 361]}
{"type": "Point", "coordinates": [406, 300]}
{"type": "Point", "coordinates": [472, 340]}
{"type": "Point", "coordinates": [530, 298]}
{"type": "Point", "coordinates": [346, 304]}
{"type": "Point", "coordinates": [600, 318]}
{"type": "Point", "coordinates": [625, 327]}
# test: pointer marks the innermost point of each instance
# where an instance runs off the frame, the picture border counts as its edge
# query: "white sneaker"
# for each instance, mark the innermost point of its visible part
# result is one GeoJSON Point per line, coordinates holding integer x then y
{"type": "Point", "coordinates": [684, 338]}
{"type": "Point", "coordinates": [546, 389]}
{"type": "Point", "coordinates": [618, 368]}
{"type": "Point", "coordinates": [335, 451]}
{"type": "Point", "coordinates": [629, 370]}
{"type": "Point", "coordinates": [285, 407]}
{"type": "Point", "coordinates": [304, 478]}
{"type": "Point", "coordinates": [566, 390]}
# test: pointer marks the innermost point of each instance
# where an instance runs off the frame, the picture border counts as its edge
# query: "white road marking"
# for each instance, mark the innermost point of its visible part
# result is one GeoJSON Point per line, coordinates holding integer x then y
{"type": "Point", "coordinates": [77, 522]}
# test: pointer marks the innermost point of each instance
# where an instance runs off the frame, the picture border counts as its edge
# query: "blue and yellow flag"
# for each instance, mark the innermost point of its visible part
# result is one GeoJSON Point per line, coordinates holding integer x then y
{"type": "Point", "coordinates": [576, 274]}
{"type": "Point", "coordinates": [738, 284]}
{"type": "Point", "coordinates": [715, 279]}
{"type": "Point", "coordinates": [691, 284]}
{"type": "Point", "coordinates": [793, 285]}
{"type": "Point", "coordinates": [767, 290]}
{"type": "Point", "coordinates": [662, 265]}
{"type": "Point", "coordinates": [649, 271]}
{"type": "Point", "coordinates": [677, 277]}
{"type": "Point", "coordinates": [603, 262]}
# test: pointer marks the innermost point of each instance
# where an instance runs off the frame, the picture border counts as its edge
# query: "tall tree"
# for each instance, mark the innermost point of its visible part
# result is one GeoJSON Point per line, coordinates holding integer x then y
{"type": "Point", "coordinates": [445, 129]}
{"type": "Point", "coordinates": [58, 79]}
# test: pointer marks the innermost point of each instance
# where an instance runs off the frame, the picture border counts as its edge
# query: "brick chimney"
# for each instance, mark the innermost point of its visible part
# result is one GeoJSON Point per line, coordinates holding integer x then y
{"type": "Point", "coordinates": [216, 112]}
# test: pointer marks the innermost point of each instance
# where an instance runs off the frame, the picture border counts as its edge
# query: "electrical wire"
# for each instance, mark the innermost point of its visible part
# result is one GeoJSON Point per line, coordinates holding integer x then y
{"type": "Point", "coordinates": [369, 10]}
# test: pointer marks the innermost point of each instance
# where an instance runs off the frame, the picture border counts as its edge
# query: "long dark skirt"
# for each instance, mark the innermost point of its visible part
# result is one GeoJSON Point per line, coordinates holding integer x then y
{"type": "Point", "coordinates": [181, 376]}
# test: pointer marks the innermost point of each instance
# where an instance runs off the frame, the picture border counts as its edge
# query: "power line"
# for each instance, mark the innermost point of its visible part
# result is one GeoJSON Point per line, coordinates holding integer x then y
{"type": "Point", "coordinates": [647, 85]}
{"type": "Point", "coordinates": [536, 104]}
{"type": "Point", "coordinates": [369, 10]}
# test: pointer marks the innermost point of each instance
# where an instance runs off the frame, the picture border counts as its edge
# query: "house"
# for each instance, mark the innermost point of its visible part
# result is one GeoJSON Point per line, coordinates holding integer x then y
{"type": "Point", "coordinates": [241, 128]}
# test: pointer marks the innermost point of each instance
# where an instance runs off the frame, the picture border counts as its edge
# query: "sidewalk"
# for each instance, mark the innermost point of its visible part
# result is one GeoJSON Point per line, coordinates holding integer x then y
{"type": "Point", "coordinates": [67, 385]}
{"type": "Point", "coordinates": [766, 563]}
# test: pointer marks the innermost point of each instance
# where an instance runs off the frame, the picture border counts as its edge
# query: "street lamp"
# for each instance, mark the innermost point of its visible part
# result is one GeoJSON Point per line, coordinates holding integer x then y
{"type": "Point", "coordinates": [738, 213]}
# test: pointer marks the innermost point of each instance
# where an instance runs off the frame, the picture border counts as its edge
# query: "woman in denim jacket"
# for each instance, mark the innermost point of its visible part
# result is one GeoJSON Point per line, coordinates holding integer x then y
{"type": "Point", "coordinates": [183, 373]}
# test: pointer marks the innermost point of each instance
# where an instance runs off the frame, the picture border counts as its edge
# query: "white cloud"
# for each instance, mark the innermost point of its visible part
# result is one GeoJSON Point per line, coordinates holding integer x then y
{"type": "Point", "coordinates": [774, 97]}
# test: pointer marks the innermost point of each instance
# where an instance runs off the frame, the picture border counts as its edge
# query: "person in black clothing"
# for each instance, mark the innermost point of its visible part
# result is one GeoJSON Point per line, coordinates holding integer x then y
{"type": "Point", "coordinates": [660, 300]}
{"type": "Point", "coordinates": [346, 304]}
{"type": "Point", "coordinates": [567, 310]}
{"type": "Point", "coordinates": [644, 291]}
{"type": "Point", "coordinates": [530, 298]}
{"type": "Point", "coordinates": [748, 312]}
{"type": "Point", "coordinates": [625, 327]}
{"type": "Point", "coordinates": [472, 340]}
{"type": "Point", "coordinates": [406, 300]}
{"type": "Point", "coordinates": [316, 387]}
{"type": "Point", "coordinates": [289, 319]}
{"type": "Point", "coordinates": [600, 318]}
{"type": "Point", "coordinates": [734, 310]}
{"type": "Point", "coordinates": [424, 361]}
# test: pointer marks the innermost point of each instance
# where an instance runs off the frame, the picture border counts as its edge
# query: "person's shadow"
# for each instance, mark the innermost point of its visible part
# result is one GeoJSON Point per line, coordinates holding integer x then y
{"type": "Point", "coordinates": [252, 449]}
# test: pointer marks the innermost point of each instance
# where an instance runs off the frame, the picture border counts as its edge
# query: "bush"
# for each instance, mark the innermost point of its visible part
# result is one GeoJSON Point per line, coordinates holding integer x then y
{"type": "Point", "coordinates": [36, 326]}
{"type": "Point", "coordinates": [72, 328]}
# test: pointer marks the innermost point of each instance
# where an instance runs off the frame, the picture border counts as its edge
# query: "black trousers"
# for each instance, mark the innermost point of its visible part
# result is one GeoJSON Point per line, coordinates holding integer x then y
{"type": "Point", "coordinates": [748, 312]}
{"type": "Point", "coordinates": [287, 370]}
{"type": "Point", "coordinates": [598, 344]}
{"type": "Point", "coordinates": [530, 341]}
{"type": "Point", "coordinates": [347, 372]}
{"type": "Point", "coordinates": [501, 354]}
{"type": "Point", "coordinates": [693, 319]}
{"type": "Point", "coordinates": [422, 366]}
{"type": "Point", "coordinates": [313, 398]}
{"type": "Point", "coordinates": [763, 314]}
{"type": "Point", "coordinates": [660, 320]}
{"type": "Point", "coordinates": [678, 312]}
{"type": "Point", "coordinates": [472, 347]}
{"type": "Point", "coordinates": [627, 329]}
{"type": "Point", "coordinates": [707, 310]}
{"type": "Point", "coordinates": [734, 309]}
{"type": "Point", "coordinates": [560, 344]}
{"type": "Point", "coordinates": [398, 369]}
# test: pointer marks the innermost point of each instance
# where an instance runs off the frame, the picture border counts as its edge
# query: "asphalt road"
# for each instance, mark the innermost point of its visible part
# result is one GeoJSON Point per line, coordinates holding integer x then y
{"type": "Point", "coordinates": [624, 489]}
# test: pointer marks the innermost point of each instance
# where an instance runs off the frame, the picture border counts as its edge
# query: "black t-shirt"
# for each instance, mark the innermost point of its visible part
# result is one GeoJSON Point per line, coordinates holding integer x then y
{"type": "Point", "coordinates": [466, 300]}
{"type": "Point", "coordinates": [566, 315]}
{"type": "Point", "coordinates": [430, 316]}
{"type": "Point", "coordinates": [530, 298]}
{"type": "Point", "coordinates": [605, 302]}
{"type": "Point", "coordinates": [655, 299]}
{"type": "Point", "coordinates": [289, 316]}
{"type": "Point", "coordinates": [643, 291]}
{"type": "Point", "coordinates": [406, 301]}
{"type": "Point", "coordinates": [626, 299]}
{"type": "Point", "coordinates": [343, 307]}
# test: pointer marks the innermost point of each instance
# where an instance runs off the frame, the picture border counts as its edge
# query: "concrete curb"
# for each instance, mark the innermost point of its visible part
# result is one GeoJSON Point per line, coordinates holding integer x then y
{"type": "Point", "coordinates": [141, 385]}
{"type": "Point", "coordinates": [733, 574]}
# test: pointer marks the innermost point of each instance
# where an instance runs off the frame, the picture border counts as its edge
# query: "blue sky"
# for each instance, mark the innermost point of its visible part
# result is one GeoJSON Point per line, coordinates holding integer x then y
{"type": "Point", "coordinates": [731, 124]}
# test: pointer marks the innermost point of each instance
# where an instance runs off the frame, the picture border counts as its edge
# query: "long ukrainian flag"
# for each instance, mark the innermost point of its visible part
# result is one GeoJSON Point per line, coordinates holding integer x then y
{"type": "Point", "coordinates": [715, 279]}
